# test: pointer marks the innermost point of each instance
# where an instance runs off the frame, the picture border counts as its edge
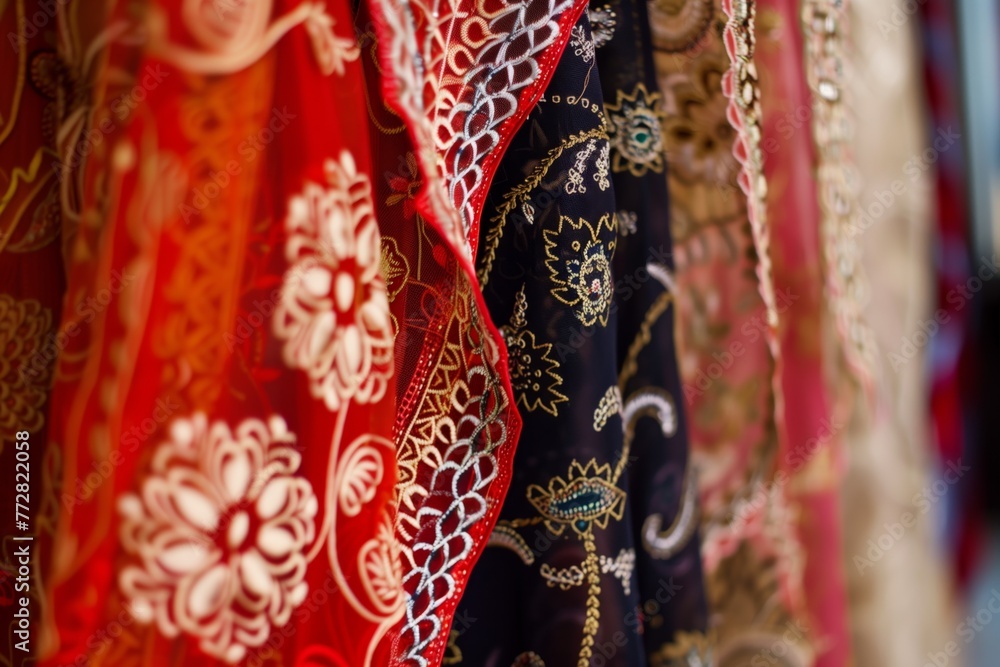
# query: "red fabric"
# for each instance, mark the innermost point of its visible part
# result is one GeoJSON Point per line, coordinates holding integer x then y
{"type": "Point", "coordinates": [261, 461]}
{"type": "Point", "coordinates": [813, 425]}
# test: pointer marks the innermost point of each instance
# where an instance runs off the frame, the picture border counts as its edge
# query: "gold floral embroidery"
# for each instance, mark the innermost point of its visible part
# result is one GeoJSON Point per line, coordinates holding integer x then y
{"type": "Point", "coordinates": [588, 497]}
{"type": "Point", "coordinates": [635, 128]}
{"type": "Point", "coordinates": [699, 138]}
{"type": "Point", "coordinates": [519, 197]}
{"type": "Point", "coordinates": [394, 266]}
{"type": "Point", "coordinates": [533, 371]}
{"type": "Point", "coordinates": [582, 271]}
{"type": "Point", "coordinates": [563, 577]}
{"type": "Point", "coordinates": [689, 649]}
{"type": "Point", "coordinates": [24, 326]}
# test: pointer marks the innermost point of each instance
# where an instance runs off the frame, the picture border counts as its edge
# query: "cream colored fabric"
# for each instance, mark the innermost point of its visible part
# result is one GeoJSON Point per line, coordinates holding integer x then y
{"type": "Point", "coordinates": [900, 603]}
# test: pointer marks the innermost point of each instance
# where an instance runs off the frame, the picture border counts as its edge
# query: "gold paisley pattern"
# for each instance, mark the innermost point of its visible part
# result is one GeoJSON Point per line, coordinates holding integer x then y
{"type": "Point", "coordinates": [589, 496]}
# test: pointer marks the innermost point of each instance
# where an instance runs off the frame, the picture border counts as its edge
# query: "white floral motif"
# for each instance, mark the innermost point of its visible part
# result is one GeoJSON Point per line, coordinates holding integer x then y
{"type": "Point", "coordinates": [361, 473]}
{"type": "Point", "coordinates": [233, 34]}
{"type": "Point", "coordinates": [219, 529]}
{"type": "Point", "coordinates": [574, 183]}
{"type": "Point", "coordinates": [382, 570]}
{"type": "Point", "coordinates": [602, 24]}
{"type": "Point", "coordinates": [334, 312]}
{"type": "Point", "coordinates": [627, 222]}
{"type": "Point", "coordinates": [603, 165]}
{"type": "Point", "coordinates": [582, 44]}
{"type": "Point", "coordinates": [332, 52]}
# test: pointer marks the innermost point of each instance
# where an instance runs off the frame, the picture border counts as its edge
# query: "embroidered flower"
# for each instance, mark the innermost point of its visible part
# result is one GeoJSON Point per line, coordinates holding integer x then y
{"type": "Point", "coordinates": [405, 184]}
{"type": "Point", "coordinates": [394, 266]}
{"type": "Point", "coordinates": [582, 43]}
{"type": "Point", "coordinates": [574, 177]}
{"type": "Point", "coordinates": [334, 313]}
{"type": "Point", "coordinates": [534, 373]}
{"type": "Point", "coordinates": [635, 130]}
{"type": "Point", "coordinates": [602, 24]}
{"type": "Point", "coordinates": [579, 256]}
{"type": "Point", "coordinates": [382, 574]}
{"type": "Point", "coordinates": [627, 222]}
{"type": "Point", "coordinates": [603, 165]}
{"type": "Point", "coordinates": [219, 528]}
{"type": "Point", "coordinates": [332, 52]}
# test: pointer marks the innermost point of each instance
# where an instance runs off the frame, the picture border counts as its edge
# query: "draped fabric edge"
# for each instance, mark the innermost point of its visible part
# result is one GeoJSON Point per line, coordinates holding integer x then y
{"type": "Point", "coordinates": [432, 203]}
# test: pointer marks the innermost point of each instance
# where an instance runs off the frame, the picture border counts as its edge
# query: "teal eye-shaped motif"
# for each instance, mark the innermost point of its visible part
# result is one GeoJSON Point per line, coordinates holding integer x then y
{"type": "Point", "coordinates": [587, 497]}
